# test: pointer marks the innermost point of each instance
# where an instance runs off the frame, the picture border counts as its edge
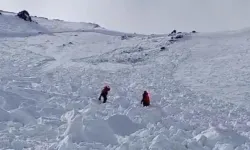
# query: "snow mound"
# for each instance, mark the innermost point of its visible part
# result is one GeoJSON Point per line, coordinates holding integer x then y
{"type": "Point", "coordinates": [75, 129]}
{"type": "Point", "coordinates": [20, 115]}
{"type": "Point", "coordinates": [63, 26]}
{"type": "Point", "coordinates": [147, 115]}
{"type": "Point", "coordinates": [161, 141]}
{"type": "Point", "coordinates": [4, 115]}
{"type": "Point", "coordinates": [65, 144]}
{"type": "Point", "coordinates": [221, 138]}
{"type": "Point", "coordinates": [19, 145]}
{"type": "Point", "coordinates": [99, 131]}
{"type": "Point", "coordinates": [13, 26]}
{"type": "Point", "coordinates": [11, 100]}
{"type": "Point", "coordinates": [126, 55]}
{"type": "Point", "coordinates": [80, 130]}
{"type": "Point", "coordinates": [122, 125]}
{"type": "Point", "coordinates": [69, 116]}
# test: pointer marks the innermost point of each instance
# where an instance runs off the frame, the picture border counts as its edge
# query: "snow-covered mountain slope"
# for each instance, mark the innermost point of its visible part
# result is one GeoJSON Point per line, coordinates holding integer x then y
{"type": "Point", "coordinates": [219, 68]}
{"type": "Point", "coordinates": [12, 26]}
{"type": "Point", "coordinates": [50, 83]}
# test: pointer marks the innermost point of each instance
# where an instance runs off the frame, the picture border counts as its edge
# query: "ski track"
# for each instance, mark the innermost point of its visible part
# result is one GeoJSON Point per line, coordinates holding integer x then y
{"type": "Point", "coordinates": [49, 87]}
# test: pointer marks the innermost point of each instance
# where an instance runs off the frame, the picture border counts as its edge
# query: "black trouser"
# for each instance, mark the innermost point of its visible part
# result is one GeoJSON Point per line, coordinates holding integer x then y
{"type": "Point", "coordinates": [145, 104]}
{"type": "Point", "coordinates": [104, 98]}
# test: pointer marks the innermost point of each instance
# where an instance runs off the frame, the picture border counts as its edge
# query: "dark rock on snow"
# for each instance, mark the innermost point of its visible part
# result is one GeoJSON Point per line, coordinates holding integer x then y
{"type": "Point", "coordinates": [163, 48]}
{"type": "Point", "coordinates": [179, 36]}
{"type": "Point", "coordinates": [172, 33]}
{"type": "Point", "coordinates": [24, 15]}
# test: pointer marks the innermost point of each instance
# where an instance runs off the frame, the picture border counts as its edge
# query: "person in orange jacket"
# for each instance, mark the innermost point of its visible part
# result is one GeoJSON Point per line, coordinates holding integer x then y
{"type": "Point", "coordinates": [145, 99]}
{"type": "Point", "coordinates": [104, 94]}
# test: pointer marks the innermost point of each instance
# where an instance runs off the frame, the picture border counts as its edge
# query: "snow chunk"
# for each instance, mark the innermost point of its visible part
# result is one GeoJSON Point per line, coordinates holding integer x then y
{"type": "Point", "coordinates": [99, 131]}
{"type": "Point", "coordinates": [69, 116]}
{"type": "Point", "coordinates": [18, 145]}
{"type": "Point", "coordinates": [122, 125]}
{"type": "Point", "coordinates": [75, 105]}
{"type": "Point", "coordinates": [124, 103]}
{"type": "Point", "coordinates": [224, 147]}
{"type": "Point", "coordinates": [215, 135]}
{"type": "Point", "coordinates": [52, 111]}
{"type": "Point", "coordinates": [146, 115]}
{"type": "Point", "coordinates": [193, 145]}
{"type": "Point", "coordinates": [22, 116]}
{"type": "Point", "coordinates": [75, 129]}
{"type": "Point", "coordinates": [4, 115]}
{"type": "Point", "coordinates": [159, 142]}
{"type": "Point", "coordinates": [66, 144]}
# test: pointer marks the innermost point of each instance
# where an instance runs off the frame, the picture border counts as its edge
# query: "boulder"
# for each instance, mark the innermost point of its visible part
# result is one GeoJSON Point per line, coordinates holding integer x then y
{"type": "Point", "coordinates": [24, 15]}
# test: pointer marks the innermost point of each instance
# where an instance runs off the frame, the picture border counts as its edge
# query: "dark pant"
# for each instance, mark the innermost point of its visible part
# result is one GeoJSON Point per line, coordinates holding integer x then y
{"type": "Point", "coordinates": [145, 104]}
{"type": "Point", "coordinates": [104, 98]}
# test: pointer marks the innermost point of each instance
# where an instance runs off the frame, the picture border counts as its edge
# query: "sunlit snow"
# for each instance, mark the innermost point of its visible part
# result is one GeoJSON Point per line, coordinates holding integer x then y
{"type": "Point", "coordinates": [52, 73]}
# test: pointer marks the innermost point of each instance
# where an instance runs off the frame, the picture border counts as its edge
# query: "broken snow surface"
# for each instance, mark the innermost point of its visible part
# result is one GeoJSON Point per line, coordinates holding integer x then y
{"type": "Point", "coordinates": [52, 73]}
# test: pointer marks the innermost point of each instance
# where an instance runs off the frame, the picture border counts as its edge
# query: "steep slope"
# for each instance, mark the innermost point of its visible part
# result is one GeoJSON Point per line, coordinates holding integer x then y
{"type": "Point", "coordinates": [49, 86]}
{"type": "Point", "coordinates": [11, 25]}
{"type": "Point", "coordinates": [219, 67]}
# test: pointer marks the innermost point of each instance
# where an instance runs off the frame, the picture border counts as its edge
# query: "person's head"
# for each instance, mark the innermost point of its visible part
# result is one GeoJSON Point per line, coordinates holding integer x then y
{"type": "Point", "coordinates": [145, 92]}
{"type": "Point", "coordinates": [107, 87]}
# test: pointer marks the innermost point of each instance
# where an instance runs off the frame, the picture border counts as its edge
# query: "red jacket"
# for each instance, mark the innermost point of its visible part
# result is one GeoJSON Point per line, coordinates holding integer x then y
{"type": "Point", "coordinates": [105, 90]}
{"type": "Point", "coordinates": [145, 98]}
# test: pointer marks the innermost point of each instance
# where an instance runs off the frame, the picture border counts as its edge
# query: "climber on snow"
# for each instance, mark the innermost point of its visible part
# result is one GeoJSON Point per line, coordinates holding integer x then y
{"type": "Point", "coordinates": [104, 93]}
{"type": "Point", "coordinates": [145, 99]}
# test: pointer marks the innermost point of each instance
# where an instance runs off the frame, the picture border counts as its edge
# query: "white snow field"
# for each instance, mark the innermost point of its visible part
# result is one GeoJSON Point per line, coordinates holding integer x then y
{"type": "Point", "coordinates": [52, 72]}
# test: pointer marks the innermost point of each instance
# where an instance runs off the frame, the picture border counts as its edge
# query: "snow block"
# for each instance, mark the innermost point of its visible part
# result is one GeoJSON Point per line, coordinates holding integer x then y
{"type": "Point", "coordinates": [4, 115]}
{"type": "Point", "coordinates": [99, 131]}
{"type": "Point", "coordinates": [224, 147]}
{"type": "Point", "coordinates": [148, 114]}
{"type": "Point", "coordinates": [226, 137]}
{"type": "Point", "coordinates": [158, 142]}
{"type": "Point", "coordinates": [69, 116]}
{"type": "Point", "coordinates": [75, 129]}
{"type": "Point", "coordinates": [18, 145]}
{"type": "Point", "coordinates": [19, 115]}
{"type": "Point", "coordinates": [124, 103]}
{"type": "Point", "coordinates": [122, 125]}
{"type": "Point", "coordinates": [162, 141]}
{"type": "Point", "coordinates": [66, 144]}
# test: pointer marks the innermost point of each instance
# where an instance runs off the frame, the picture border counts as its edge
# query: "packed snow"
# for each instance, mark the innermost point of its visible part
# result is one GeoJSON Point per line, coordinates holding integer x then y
{"type": "Point", "coordinates": [52, 73]}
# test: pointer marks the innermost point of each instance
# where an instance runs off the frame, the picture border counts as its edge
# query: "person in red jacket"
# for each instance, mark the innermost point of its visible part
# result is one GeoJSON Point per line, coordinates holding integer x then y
{"type": "Point", "coordinates": [145, 99]}
{"type": "Point", "coordinates": [104, 93]}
